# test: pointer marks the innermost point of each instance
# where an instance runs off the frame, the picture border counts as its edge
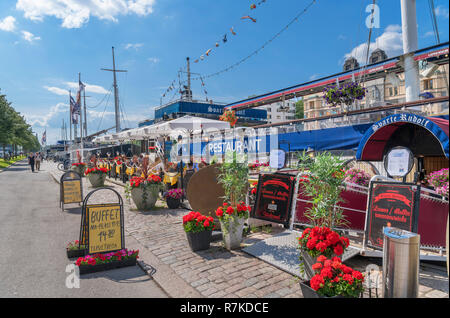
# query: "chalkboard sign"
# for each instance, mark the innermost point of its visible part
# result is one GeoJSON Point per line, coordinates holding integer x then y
{"type": "Point", "coordinates": [391, 205]}
{"type": "Point", "coordinates": [102, 225]}
{"type": "Point", "coordinates": [274, 198]}
{"type": "Point", "coordinates": [71, 190]}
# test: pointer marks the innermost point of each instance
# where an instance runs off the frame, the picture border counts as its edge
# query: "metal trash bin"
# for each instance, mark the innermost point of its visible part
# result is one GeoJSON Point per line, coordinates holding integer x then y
{"type": "Point", "coordinates": [401, 253]}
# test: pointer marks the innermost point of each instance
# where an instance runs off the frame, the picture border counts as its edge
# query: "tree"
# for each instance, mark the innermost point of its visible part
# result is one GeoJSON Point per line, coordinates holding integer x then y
{"type": "Point", "coordinates": [299, 110]}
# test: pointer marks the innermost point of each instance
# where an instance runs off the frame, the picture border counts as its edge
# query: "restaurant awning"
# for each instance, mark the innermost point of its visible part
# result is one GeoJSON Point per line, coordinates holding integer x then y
{"type": "Point", "coordinates": [425, 136]}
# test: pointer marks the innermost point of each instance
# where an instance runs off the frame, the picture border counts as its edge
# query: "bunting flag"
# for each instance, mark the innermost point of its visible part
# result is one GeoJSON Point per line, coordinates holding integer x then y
{"type": "Point", "coordinates": [248, 17]}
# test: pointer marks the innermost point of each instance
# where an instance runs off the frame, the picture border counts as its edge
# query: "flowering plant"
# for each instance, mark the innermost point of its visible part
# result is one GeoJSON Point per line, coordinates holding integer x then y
{"type": "Point", "coordinates": [439, 180]}
{"type": "Point", "coordinates": [334, 278]}
{"type": "Point", "coordinates": [96, 170]}
{"type": "Point", "coordinates": [258, 164]}
{"type": "Point", "coordinates": [98, 258]}
{"type": "Point", "coordinates": [357, 176]}
{"type": "Point", "coordinates": [75, 245]}
{"type": "Point", "coordinates": [229, 116]}
{"type": "Point", "coordinates": [322, 241]}
{"type": "Point", "coordinates": [346, 94]}
{"type": "Point", "coordinates": [174, 194]}
{"type": "Point", "coordinates": [136, 182]}
{"type": "Point", "coordinates": [77, 164]}
{"type": "Point", "coordinates": [226, 211]}
{"type": "Point", "coordinates": [196, 222]}
{"type": "Point", "coordinates": [254, 188]}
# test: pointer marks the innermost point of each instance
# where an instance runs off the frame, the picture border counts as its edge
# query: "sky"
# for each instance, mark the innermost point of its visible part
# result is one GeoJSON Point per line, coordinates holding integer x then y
{"type": "Point", "coordinates": [45, 44]}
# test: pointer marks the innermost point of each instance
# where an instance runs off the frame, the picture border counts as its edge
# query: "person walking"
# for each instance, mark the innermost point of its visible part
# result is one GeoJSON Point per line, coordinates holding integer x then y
{"type": "Point", "coordinates": [31, 161]}
{"type": "Point", "coordinates": [37, 160]}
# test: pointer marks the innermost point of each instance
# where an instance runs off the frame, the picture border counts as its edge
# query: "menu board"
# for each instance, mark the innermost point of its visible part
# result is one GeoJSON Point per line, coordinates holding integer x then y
{"type": "Point", "coordinates": [104, 226]}
{"type": "Point", "coordinates": [391, 205]}
{"type": "Point", "coordinates": [274, 198]}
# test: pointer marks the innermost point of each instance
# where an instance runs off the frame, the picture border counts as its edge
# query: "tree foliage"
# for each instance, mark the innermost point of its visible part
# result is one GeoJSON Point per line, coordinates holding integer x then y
{"type": "Point", "coordinates": [299, 110]}
{"type": "Point", "coordinates": [13, 128]}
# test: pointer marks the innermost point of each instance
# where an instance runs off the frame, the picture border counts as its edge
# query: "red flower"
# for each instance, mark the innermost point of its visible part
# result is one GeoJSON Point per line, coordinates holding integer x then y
{"type": "Point", "coordinates": [326, 272]}
{"type": "Point", "coordinates": [316, 282]}
{"type": "Point", "coordinates": [338, 250]}
{"type": "Point", "coordinates": [317, 266]}
{"type": "Point", "coordinates": [219, 212]}
{"type": "Point", "coordinates": [230, 210]}
{"type": "Point", "coordinates": [357, 275]}
{"type": "Point", "coordinates": [321, 258]}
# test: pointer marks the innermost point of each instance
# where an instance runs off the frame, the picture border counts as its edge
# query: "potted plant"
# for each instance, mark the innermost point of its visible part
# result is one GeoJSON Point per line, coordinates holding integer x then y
{"type": "Point", "coordinates": [79, 167]}
{"type": "Point", "coordinates": [101, 262]}
{"type": "Point", "coordinates": [333, 279]}
{"type": "Point", "coordinates": [173, 198]}
{"type": "Point", "coordinates": [232, 221]}
{"type": "Point", "coordinates": [96, 176]}
{"type": "Point", "coordinates": [357, 176]}
{"type": "Point", "coordinates": [74, 249]}
{"type": "Point", "coordinates": [319, 241]}
{"type": "Point", "coordinates": [198, 230]}
{"type": "Point", "coordinates": [233, 176]}
{"type": "Point", "coordinates": [144, 190]}
{"type": "Point", "coordinates": [439, 180]}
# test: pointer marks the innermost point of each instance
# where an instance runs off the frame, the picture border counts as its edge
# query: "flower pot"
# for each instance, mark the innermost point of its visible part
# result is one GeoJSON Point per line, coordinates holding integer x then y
{"type": "Point", "coordinates": [145, 198]}
{"type": "Point", "coordinates": [87, 269]}
{"type": "Point", "coordinates": [75, 253]}
{"type": "Point", "coordinates": [173, 203]}
{"type": "Point", "coordinates": [308, 292]}
{"type": "Point", "coordinates": [308, 262]}
{"type": "Point", "coordinates": [232, 232]}
{"type": "Point", "coordinates": [199, 241]}
{"type": "Point", "coordinates": [97, 179]}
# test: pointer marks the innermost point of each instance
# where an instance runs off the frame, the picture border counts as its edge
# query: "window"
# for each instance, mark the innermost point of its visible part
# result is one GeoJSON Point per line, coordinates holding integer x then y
{"type": "Point", "coordinates": [428, 84]}
{"type": "Point", "coordinates": [393, 91]}
{"type": "Point", "coordinates": [311, 105]}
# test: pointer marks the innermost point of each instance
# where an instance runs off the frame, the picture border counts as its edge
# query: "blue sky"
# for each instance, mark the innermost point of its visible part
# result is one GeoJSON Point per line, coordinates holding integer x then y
{"type": "Point", "coordinates": [44, 44]}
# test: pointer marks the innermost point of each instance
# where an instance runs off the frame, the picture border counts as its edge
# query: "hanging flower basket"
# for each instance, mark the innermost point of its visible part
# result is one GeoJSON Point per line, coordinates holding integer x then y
{"type": "Point", "coordinates": [96, 176]}
{"type": "Point", "coordinates": [198, 230]}
{"type": "Point", "coordinates": [229, 116]}
{"type": "Point", "coordinates": [343, 95]}
{"type": "Point", "coordinates": [102, 262]}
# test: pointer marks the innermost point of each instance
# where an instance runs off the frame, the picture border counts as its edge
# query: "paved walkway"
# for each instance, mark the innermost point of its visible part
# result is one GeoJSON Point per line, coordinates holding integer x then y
{"type": "Point", "coordinates": [217, 272]}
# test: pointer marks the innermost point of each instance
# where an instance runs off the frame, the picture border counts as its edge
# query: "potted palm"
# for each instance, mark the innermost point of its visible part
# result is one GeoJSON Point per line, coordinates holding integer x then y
{"type": "Point", "coordinates": [96, 176]}
{"type": "Point", "coordinates": [198, 230]}
{"type": "Point", "coordinates": [233, 176]}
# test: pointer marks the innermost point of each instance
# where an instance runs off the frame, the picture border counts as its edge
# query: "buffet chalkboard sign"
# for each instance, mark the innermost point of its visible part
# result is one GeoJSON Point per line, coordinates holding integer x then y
{"type": "Point", "coordinates": [392, 205]}
{"type": "Point", "coordinates": [274, 198]}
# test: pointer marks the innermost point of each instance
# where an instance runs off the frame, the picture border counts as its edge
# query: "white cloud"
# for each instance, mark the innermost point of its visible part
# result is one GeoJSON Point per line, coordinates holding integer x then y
{"type": "Point", "coordinates": [96, 89]}
{"type": "Point", "coordinates": [75, 13]}
{"type": "Point", "coordinates": [153, 60]}
{"type": "Point", "coordinates": [135, 46]}
{"type": "Point", "coordinates": [441, 11]}
{"type": "Point", "coordinates": [390, 41]}
{"type": "Point", "coordinates": [57, 90]}
{"type": "Point", "coordinates": [28, 36]}
{"type": "Point", "coordinates": [8, 24]}
{"type": "Point", "coordinates": [44, 120]}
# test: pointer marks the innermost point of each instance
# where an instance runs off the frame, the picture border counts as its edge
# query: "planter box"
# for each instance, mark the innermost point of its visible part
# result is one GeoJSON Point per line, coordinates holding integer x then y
{"type": "Point", "coordinates": [309, 261]}
{"type": "Point", "coordinates": [97, 179]}
{"type": "Point", "coordinates": [145, 201]}
{"type": "Point", "coordinates": [88, 269]}
{"type": "Point", "coordinates": [308, 292]}
{"type": "Point", "coordinates": [199, 241]}
{"type": "Point", "coordinates": [75, 253]}
{"type": "Point", "coordinates": [232, 235]}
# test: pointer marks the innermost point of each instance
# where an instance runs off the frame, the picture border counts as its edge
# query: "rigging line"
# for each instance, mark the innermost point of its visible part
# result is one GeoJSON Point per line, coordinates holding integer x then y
{"type": "Point", "coordinates": [109, 92]}
{"type": "Point", "coordinates": [295, 19]}
{"type": "Point", "coordinates": [433, 20]}
{"type": "Point", "coordinates": [101, 119]}
{"type": "Point", "coordinates": [363, 74]}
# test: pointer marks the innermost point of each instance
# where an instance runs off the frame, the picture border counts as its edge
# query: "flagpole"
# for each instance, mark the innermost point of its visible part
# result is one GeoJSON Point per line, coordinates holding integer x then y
{"type": "Point", "coordinates": [81, 112]}
{"type": "Point", "coordinates": [70, 115]}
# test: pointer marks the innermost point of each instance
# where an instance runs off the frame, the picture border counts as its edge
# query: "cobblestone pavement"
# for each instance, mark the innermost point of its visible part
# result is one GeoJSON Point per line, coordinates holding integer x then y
{"type": "Point", "coordinates": [217, 272]}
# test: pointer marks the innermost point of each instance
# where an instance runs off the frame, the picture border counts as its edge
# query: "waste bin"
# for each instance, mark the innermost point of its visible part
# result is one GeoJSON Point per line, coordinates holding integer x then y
{"type": "Point", "coordinates": [401, 253]}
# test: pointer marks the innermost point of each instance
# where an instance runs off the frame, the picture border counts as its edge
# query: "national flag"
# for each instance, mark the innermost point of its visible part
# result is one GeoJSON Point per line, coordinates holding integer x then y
{"type": "Point", "coordinates": [44, 137]}
{"type": "Point", "coordinates": [74, 110]}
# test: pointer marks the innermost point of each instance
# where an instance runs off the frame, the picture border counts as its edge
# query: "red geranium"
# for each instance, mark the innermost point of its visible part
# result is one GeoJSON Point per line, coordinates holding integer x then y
{"type": "Point", "coordinates": [241, 210]}
{"type": "Point", "coordinates": [135, 182]}
{"type": "Point", "coordinates": [322, 241]}
{"type": "Point", "coordinates": [95, 170]}
{"type": "Point", "coordinates": [196, 222]}
{"type": "Point", "coordinates": [334, 278]}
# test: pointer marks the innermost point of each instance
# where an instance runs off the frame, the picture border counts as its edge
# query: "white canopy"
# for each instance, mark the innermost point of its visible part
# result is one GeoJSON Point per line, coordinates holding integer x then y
{"type": "Point", "coordinates": [173, 127]}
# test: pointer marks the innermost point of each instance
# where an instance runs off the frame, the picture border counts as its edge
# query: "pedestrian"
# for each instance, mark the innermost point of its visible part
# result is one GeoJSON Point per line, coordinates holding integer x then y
{"type": "Point", "coordinates": [31, 161]}
{"type": "Point", "coordinates": [38, 160]}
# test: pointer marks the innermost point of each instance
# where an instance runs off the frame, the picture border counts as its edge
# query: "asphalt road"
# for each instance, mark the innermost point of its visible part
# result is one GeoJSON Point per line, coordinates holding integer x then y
{"type": "Point", "coordinates": [33, 235]}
